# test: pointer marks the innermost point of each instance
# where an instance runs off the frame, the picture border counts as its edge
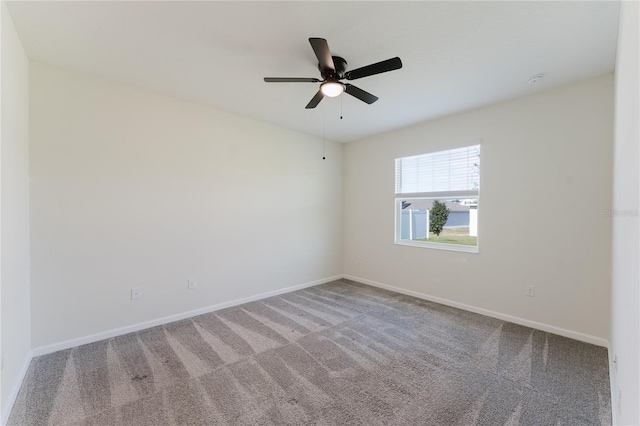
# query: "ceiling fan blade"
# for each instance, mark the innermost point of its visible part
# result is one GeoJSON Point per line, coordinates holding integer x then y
{"type": "Point", "coordinates": [377, 68]}
{"type": "Point", "coordinates": [356, 92]}
{"type": "Point", "coordinates": [315, 101]}
{"type": "Point", "coordinates": [321, 49]}
{"type": "Point", "coordinates": [290, 80]}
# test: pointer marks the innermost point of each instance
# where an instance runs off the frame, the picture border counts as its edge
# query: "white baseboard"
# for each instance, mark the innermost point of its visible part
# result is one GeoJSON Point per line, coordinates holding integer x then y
{"type": "Point", "coordinates": [16, 388]}
{"type": "Point", "coordinates": [505, 317]}
{"type": "Point", "coordinates": [43, 350]}
{"type": "Point", "coordinates": [612, 385]}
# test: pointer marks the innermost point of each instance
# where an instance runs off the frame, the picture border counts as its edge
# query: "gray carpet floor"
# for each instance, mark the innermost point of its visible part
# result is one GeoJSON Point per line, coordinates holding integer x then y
{"type": "Point", "coordinates": [341, 353]}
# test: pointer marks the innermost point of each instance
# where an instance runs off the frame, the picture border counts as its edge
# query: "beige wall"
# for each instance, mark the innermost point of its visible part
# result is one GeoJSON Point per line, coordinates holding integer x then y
{"type": "Point", "coordinates": [545, 186]}
{"type": "Point", "coordinates": [15, 342]}
{"type": "Point", "coordinates": [625, 330]}
{"type": "Point", "coordinates": [131, 189]}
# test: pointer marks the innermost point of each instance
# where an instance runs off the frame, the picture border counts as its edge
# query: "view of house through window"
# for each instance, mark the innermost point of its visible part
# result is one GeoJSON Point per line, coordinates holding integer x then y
{"type": "Point", "coordinates": [437, 199]}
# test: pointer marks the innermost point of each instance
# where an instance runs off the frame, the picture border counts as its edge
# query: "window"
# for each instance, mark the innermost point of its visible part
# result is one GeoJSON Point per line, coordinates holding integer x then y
{"type": "Point", "coordinates": [437, 199]}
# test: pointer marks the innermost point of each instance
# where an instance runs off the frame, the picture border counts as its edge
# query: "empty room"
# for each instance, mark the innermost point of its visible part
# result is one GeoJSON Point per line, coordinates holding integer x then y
{"type": "Point", "coordinates": [320, 213]}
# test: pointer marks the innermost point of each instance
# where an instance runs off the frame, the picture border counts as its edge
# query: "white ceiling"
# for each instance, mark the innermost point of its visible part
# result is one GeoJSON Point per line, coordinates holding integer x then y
{"type": "Point", "coordinates": [456, 55]}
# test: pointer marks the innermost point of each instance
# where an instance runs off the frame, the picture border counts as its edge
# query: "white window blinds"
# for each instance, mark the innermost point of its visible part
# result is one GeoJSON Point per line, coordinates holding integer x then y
{"type": "Point", "coordinates": [450, 173]}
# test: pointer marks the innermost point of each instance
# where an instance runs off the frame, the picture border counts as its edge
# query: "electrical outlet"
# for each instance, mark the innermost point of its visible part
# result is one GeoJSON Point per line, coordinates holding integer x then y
{"type": "Point", "coordinates": [136, 293]}
{"type": "Point", "coordinates": [531, 291]}
{"type": "Point", "coordinates": [191, 284]}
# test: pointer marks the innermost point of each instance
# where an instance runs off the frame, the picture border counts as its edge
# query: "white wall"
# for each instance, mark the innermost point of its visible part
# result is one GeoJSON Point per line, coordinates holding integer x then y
{"type": "Point", "coordinates": [545, 185]}
{"type": "Point", "coordinates": [625, 327]}
{"type": "Point", "coordinates": [14, 216]}
{"type": "Point", "coordinates": [132, 189]}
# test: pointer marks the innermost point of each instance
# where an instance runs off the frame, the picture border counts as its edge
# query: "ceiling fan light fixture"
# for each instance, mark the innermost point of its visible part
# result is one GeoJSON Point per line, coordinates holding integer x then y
{"type": "Point", "coordinates": [332, 88]}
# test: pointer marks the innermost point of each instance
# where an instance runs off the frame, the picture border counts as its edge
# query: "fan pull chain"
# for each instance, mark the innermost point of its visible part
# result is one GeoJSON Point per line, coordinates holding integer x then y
{"type": "Point", "coordinates": [324, 149]}
{"type": "Point", "coordinates": [341, 107]}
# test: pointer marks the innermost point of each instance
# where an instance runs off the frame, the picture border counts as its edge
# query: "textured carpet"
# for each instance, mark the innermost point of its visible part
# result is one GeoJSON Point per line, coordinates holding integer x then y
{"type": "Point", "coordinates": [337, 354]}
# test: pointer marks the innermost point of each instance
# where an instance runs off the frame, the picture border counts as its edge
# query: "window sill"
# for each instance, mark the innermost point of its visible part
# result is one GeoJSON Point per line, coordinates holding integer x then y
{"type": "Point", "coordinates": [439, 246]}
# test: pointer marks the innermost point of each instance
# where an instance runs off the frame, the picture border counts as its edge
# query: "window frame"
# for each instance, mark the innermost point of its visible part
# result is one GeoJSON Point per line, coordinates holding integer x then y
{"type": "Point", "coordinates": [441, 196]}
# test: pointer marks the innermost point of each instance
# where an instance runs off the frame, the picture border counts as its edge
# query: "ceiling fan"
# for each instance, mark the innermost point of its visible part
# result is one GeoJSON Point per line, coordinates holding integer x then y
{"type": "Point", "coordinates": [333, 69]}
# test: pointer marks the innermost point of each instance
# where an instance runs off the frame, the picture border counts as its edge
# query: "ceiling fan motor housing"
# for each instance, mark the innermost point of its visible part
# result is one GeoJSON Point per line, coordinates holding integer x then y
{"type": "Point", "coordinates": [340, 65]}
